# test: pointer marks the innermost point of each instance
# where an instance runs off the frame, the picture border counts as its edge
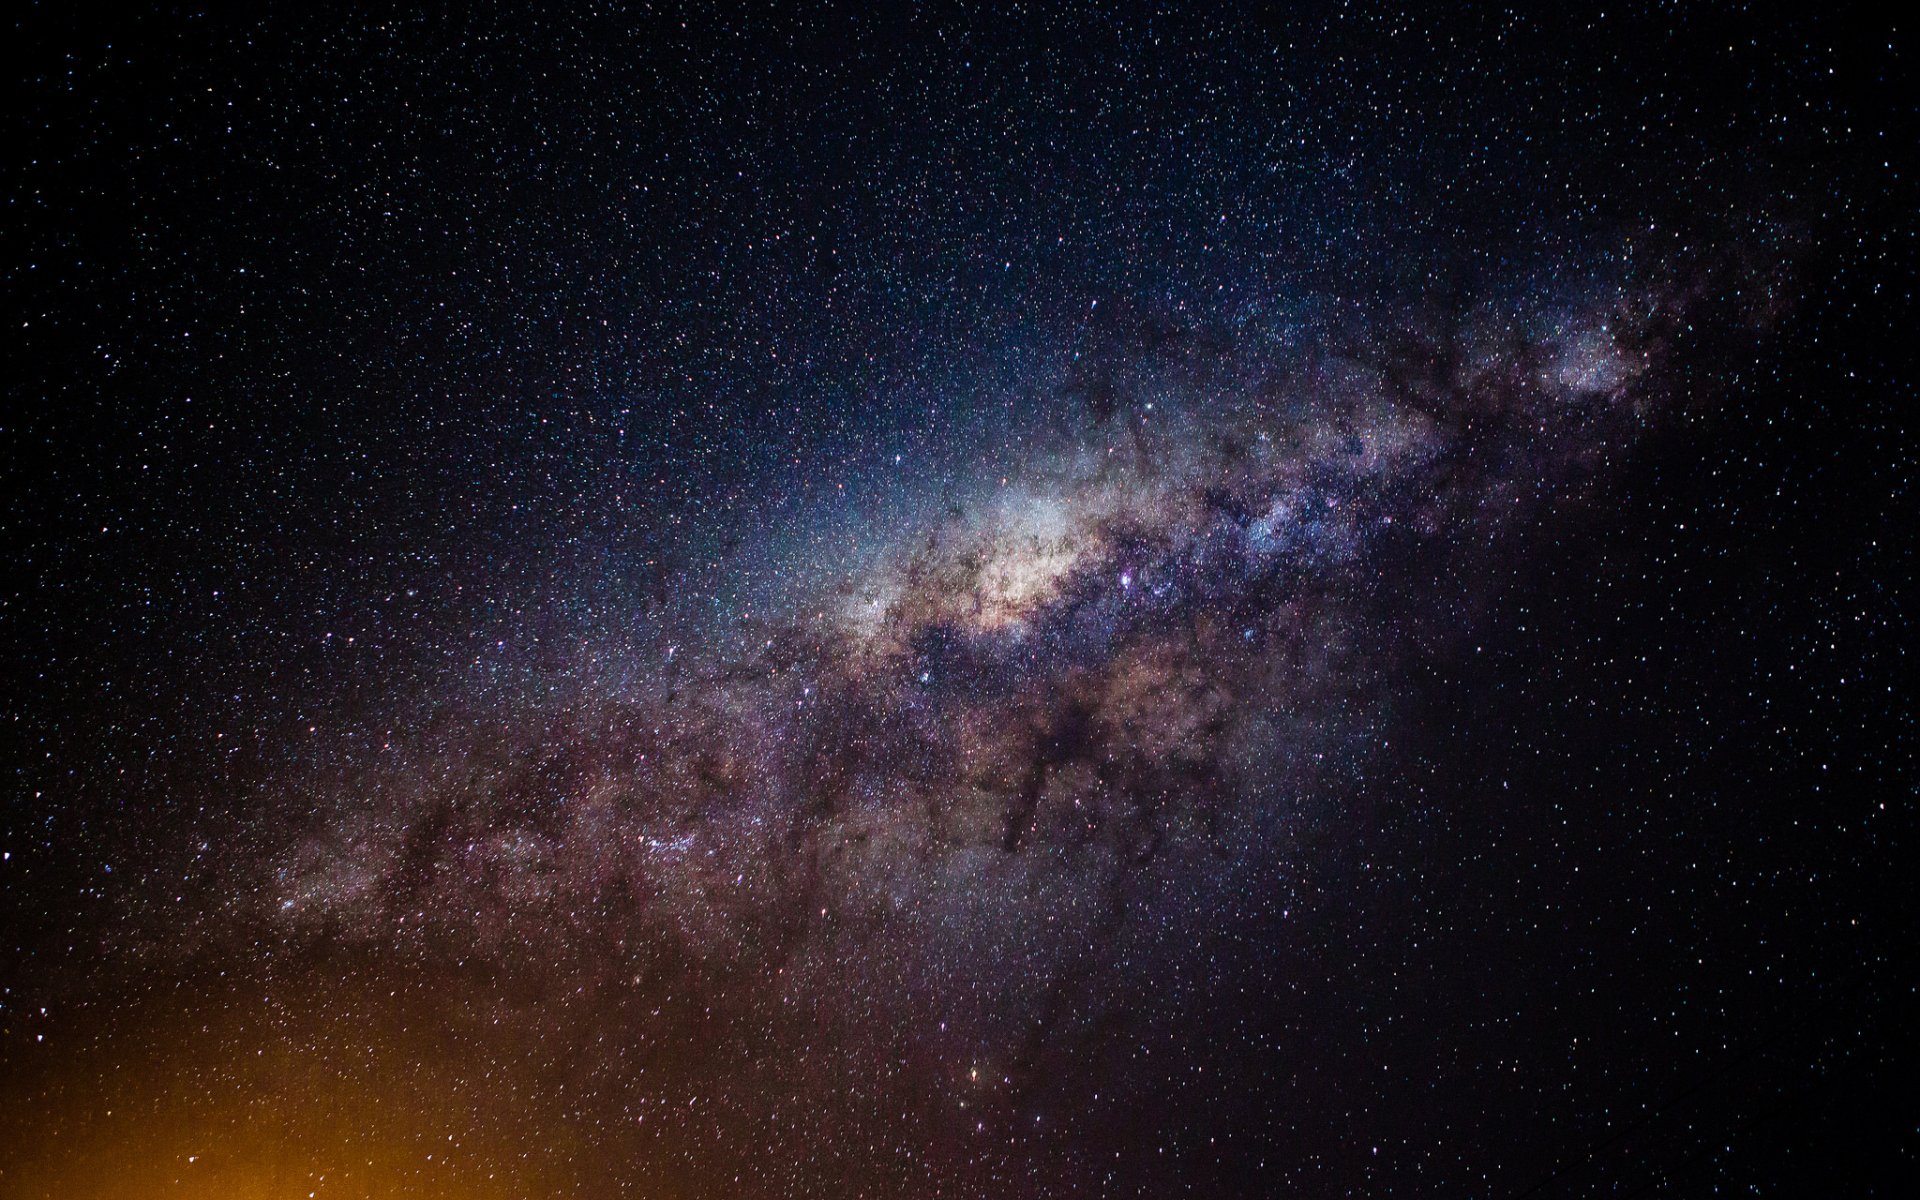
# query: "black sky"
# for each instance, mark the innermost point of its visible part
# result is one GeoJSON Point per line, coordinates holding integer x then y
{"type": "Point", "coordinates": [1043, 602]}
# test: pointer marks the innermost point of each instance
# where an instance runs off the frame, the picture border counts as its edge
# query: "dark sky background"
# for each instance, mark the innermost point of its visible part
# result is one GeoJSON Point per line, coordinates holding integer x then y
{"type": "Point", "coordinates": [935, 601]}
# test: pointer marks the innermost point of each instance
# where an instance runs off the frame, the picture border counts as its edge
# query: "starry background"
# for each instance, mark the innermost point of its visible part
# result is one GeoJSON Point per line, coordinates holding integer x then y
{"type": "Point", "coordinates": [957, 602]}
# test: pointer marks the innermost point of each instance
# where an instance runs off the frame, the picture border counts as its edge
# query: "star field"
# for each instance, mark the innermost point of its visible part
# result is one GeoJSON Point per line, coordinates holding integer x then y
{"type": "Point", "coordinates": [1058, 602]}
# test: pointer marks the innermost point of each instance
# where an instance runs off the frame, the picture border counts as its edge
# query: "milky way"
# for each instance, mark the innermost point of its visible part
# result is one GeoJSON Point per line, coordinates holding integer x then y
{"type": "Point", "coordinates": [1149, 642]}
{"type": "Point", "coordinates": [708, 605]}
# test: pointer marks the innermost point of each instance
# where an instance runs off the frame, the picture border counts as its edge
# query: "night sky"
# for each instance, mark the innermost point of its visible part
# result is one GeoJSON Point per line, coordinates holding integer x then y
{"type": "Point", "coordinates": [921, 601]}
